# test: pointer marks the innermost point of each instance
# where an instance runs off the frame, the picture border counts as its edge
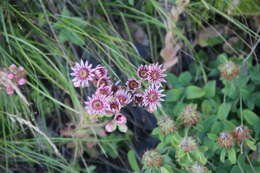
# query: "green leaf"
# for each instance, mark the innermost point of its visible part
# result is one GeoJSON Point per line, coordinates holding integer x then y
{"type": "Point", "coordinates": [210, 89]}
{"type": "Point", "coordinates": [131, 2]}
{"type": "Point", "coordinates": [194, 92]}
{"type": "Point", "coordinates": [173, 95]}
{"type": "Point", "coordinates": [224, 110]}
{"type": "Point", "coordinates": [247, 7]}
{"type": "Point", "coordinates": [256, 98]}
{"type": "Point", "coordinates": [212, 136]}
{"type": "Point", "coordinates": [185, 78]}
{"type": "Point", "coordinates": [164, 170]}
{"type": "Point", "coordinates": [250, 117]}
{"type": "Point", "coordinates": [172, 80]}
{"type": "Point", "coordinates": [236, 169]}
{"type": "Point", "coordinates": [251, 144]}
{"type": "Point", "coordinates": [199, 157]}
{"type": "Point", "coordinates": [228, 125]}
{"type": "Point", "coordinates": [232, 155]}
{"type": "Point", "coordinates": [216, 127]}
{"type": "Point", "coordinates": [223, 155]}
{"type": "Point", "coordinates": [206, 107]}
{"type": "Point", "coordinates": [132, 161]}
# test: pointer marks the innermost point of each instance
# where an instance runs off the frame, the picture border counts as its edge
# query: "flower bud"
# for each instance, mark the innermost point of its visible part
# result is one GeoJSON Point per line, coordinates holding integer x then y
{"type": "Point", "coordinates": [225, 139]}
{"type": "Point", "coordinates": [241, 133]}
{"type": "Point", "coordinates": [190, 115]}
{"type": "Point", "coordinates": [166, 125]}
{"type": "Point", "coordinates": [197, 168]}
{"type": "Point", "coordinates": [152, 159]}
{"type": "Point", "coordinates": [188, 144]}
{"type": "Point", "coordinates": [229, 70]}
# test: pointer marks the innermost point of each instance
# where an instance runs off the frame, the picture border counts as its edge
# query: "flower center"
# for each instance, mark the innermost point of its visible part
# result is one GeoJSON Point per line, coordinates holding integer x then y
{"type": "Point", "coordinates": [103, 82]}
{"type": "Point", "coordinates": [114, 88]}
{"type": "Point", "coordinates": [155, 75]}
{"type": "Point", "coordinates": [103, 91]}
{"type": "Point", "coordinates": [143, 73]}
{"type": "Point", "coordinates": [83, 73]}
{"type": "Point", "coordinates": [97, 105]}
{"type": "Point", "coordinates": [119, 118]}
{"type": "Point", "coordinates": [224, 136]}
{"type": "Point", "coordinates": [114, 105]}
{"type": "Point", "coordinates": [133, 84]}
{"type": "Point", "coordinates": [122, 99]}
{"type": "Point", "coordinates": [139, 99]}
{"type": "Point", "coordinates": [152, 97]}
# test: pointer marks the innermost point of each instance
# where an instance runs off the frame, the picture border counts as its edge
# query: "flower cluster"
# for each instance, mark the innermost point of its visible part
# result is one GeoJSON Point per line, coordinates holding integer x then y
{"type": "Point", "coordinates": [229, 70]}
{"type": "Point", "coordinates": [239, 134]}
{"type": "Point", "coordinates": [190, 115]}
{"type": "Point", "coordinates": [188, 144]}
{"type": "Point", "coordinates": [12, 77]}
{"type": "Point", "coordinates": [197, 168]}
{"type": "Point", "coordinates": [152, 159]}
{"type": "Point", "coordinates": [110, 97]}
{"type": "Point", "coordinates": [166, 125]}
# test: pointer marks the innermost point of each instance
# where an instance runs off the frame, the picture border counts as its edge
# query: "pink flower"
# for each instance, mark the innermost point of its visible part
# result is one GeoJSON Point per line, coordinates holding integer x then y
{"type": "Point", "coordinates": [21, 81]}
{"type": "Point", "coordinates": [111, 126]}
{"type": "Point", "coordinates": [106, 91]}
{"type": "Point", "coordinates": [9, 90]}
{"type": "Point", "coordinates": [113, 106]}
{"type": "Point", "coordinates": [102, 82]}
{"type": "Point", "coordinates": [133, 84]}
{"type": "Point", "coordinates": [12, 68]}
{"type": "Point", "coordinates": [10, 76]}
{"type": "Point", "coordinates": [139, 98]}
{"type": "Point", "coordinates": [97, 104]}
{"type": "Point", "coordinates": [82, 73]}
{"type": "Point", "coordinates": [123, 97]}
{"type": "Point", "coordinates": [100, 71]}
{"type": "Point", "coordinates": [120, 118]}
{"type": "Point", "coordinates": [118, 121]}
{"type": "Point", "coordinates": [152, 98]}
{"type": "Point", "coordinates": [156, 74]}
{"type": "Point", "coordinates": [143, 71]}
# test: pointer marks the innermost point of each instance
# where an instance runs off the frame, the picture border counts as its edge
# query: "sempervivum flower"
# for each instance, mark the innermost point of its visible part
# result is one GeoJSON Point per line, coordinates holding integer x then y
{"type": "Point", "coordinates": [156, 74]}
{"type": "Point", "coordinates": [166, 125]}
{"type": "Point", "coordinates": [152, 159]}
{"type": "Point", "coordinates": [115, 87]}
{"type": "Point", "coordinates": [241, 133]}
{"type": "Point", "coordinates": [100, 71]}
{"type": "Point", "coordinates": [12, 77]}
{"type": "Point", "coordinates": [229, 70]}
{"type": "Point", "coordinates": [225, 139]}
{"type": "Point", "coordinates": [123, 97]}
{"type": "Point", "coordinates": [97, 104]}
{"type": "Point", "coordinates": [152, 98]}
{"type": "Point", "coordinates": [120, 118]}
{"type": "Point", "coordinates": [142, 71]}
{"type": "Point", "coordinates": [119, 122]}
{"type": "Point", "coordinates": [102, 82]}
{"type": "Point", "coordinates": [197, 168]}
{"type": "Point", "coordinates": [16, 75]}
{"type": "Point", "coordinates": [82, 73]}
{"type": "Point", "coordinates": [9, 90]}
{"type": "Point", "coordinates": [133, 84]}
{"type": "Point", "coordinates": [106, 91]}
{"type": "Point", "coordinates": [113, 106]}
{"type": "Point", "coordinates": [190, 115]}
{"type": "Point", "coordinates": [188, 144]}
{"type": "Point", "coordinates": [139, 98]}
